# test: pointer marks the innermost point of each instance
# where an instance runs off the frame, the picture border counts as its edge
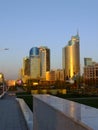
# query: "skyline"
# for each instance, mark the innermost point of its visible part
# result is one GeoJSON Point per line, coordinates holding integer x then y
{"type": "Point", "coordinates": [25, 24]}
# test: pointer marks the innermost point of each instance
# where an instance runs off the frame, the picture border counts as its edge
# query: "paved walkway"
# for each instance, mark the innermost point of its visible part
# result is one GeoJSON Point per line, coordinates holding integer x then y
{"type": "Point", "coordinates": [11, 117]}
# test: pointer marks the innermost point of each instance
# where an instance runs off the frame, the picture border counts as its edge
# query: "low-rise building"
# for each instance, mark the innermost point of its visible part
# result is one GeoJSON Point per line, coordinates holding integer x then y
{"type": "Point", "coordinates": [91, 74]}
{"type": "Point", "coordinates": [55, 75]}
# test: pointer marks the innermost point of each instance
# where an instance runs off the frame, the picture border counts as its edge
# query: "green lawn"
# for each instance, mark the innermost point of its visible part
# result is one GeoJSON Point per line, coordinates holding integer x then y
{"type": "Point", "coordinates": [83, 99]}
{"type": "Point", "coordinates": [28, 98]}
{"type": "Point", "coordinates": [90, 101]}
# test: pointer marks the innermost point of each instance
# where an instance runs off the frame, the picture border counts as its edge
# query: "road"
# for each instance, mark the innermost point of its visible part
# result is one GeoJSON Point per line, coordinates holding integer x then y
{"type": "Point", "coordinates": [11, 117]}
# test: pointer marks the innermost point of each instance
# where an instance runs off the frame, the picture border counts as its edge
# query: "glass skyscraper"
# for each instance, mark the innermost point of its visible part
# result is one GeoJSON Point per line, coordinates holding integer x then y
{"type": "Point", "coordinates": [34, 63]}
{"type": "Point", "coordinates": [71, 57]}
{"type": "Point", "coordinates": [45, 61]}
{"type": "Point", "coordinates": [39, 62]}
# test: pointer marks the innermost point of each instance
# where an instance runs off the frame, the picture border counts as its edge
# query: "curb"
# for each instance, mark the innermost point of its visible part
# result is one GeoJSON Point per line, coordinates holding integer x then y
{"type": "Point", "coordinates": [27, 113]}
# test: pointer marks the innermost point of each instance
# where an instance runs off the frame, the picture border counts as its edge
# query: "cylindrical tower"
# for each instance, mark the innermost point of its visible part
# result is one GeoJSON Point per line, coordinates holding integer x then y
{"type": "Point", "coordinates": [71, 57]}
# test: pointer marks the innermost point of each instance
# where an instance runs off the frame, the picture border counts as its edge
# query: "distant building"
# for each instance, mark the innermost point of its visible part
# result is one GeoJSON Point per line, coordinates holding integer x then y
{"type": "Point", "coordinates": [11, 82]}
{"type": "Point", "coordinates": [34, 63]}
{"type": "Point", "coordinates": [44, 61]}
{"type": "Point", "coordinates": [39, 62]}
{"type": "Point", "coordinates": [26, 66]}
{"type": "Point", "coordinates": [25, 70]}
{"type": "Point", "coordinates": [91, 74]}
{"type": "Point", "coordinates": [55, 75]}
{"type": "Point", "coordinates": [59, 73]}
{"type": "Point", "coordinates": [71, 57]}
{"type": "Point", "coordinates": [50, 75]}
{"type": "Point", "coordinates": [87, 61]}
{"type": "Point", "coordinates": [1, 78]}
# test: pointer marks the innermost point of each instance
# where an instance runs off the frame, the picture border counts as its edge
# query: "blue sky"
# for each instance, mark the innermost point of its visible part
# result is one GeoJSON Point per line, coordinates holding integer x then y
{"type": "Point", "coordinates": [51, 23]}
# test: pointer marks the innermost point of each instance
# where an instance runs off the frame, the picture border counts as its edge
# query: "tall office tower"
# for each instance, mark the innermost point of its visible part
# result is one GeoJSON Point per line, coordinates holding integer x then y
{"type": "Point", "coordinates": [45, 61]}
{"type": "Point", "coordinates": [26, 66]}
{"type": "Point", "coordinates": [88, 61]}
{"type": "Point", "coordinates": [71, 57]}
{"type": "Point", "coordinates": [34, 63]}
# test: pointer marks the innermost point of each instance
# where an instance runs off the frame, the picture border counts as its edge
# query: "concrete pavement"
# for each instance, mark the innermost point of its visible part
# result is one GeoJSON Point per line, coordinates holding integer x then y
{"type": "Point", "coordinates": [11, 117]}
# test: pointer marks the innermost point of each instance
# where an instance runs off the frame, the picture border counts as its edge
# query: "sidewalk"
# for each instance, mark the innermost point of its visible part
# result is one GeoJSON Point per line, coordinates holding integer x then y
{"type": "Point", "coordinates": [11, 117]}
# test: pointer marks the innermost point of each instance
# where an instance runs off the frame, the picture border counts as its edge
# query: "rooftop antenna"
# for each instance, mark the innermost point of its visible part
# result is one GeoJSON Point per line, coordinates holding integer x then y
{"type": "Point", "coordinates": [77, 32]}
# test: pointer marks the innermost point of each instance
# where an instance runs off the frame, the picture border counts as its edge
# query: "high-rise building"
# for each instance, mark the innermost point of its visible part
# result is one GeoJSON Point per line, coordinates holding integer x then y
{"type": "Point", "coordinates": [71, 57]}
{"type": "Point", "coordinates": [88, 61]}
{"type": "Point", "coordinates": [26, 66]}
{"type": "Point", "coordinates": [24, 73]}
{"type": "Point", "coordinates": [34, 63]}
{"type": "Point", "coordinates": [44, 61]}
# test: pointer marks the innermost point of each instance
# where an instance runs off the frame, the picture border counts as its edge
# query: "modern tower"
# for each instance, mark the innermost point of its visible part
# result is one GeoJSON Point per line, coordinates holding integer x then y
{"type": "Point", "coordinates": [34, 63]}
{"type": "Point", "coordinates": [88, 61]}
{"type": "Point", "coordinates": [26, 66]}
{"type": "Point", "coordinates": [44, 61]}
{"type": "Point", "coordinates": [71, 57]}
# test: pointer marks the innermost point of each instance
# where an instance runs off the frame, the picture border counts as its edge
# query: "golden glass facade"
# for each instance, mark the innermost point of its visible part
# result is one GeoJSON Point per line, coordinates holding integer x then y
{"type": "Point", "coordinates": [71, 57]}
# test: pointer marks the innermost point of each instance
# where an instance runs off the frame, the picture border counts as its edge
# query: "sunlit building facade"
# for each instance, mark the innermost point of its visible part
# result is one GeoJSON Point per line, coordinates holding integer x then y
{"type": "Point", "coordinates": [1, 78]}
{"type": "Point", "coordinates": [25, 70]}
{"type": "Point", "coordinates": [34, 63]}
{"type": "Point", "coordinates": [44, 61]}
{"type": "Point", "coordinates": [11, 82]}
{"type": "Point", "coordinates": [26, 66]}
{"type": "Point", "coordinates": [59, 73]}
{"type": "Point", "coordinates": [55, 75]}
{"type": "Point", "coordinates": [91, 74]}
{"type": "Point", "coordinates": [50, 75]}
{"type": "Point", "coordinates": [71, 57]}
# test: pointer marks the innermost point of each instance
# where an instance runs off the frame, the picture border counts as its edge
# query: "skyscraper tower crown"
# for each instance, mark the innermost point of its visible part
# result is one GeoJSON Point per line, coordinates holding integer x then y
{"type": "Point", "coordinates": [34, 51]}
{"type": "Point", "coordinates": [74, 39]}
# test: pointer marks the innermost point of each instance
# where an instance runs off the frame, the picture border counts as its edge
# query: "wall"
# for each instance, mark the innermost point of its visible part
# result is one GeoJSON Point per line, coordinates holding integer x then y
{"type": "Point", "coordinates": [53, 113]}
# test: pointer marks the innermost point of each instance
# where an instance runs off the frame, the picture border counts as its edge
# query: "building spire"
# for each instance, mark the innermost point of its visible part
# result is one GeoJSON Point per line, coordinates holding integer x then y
{"type": "Point", "coordinates": [77, 32]}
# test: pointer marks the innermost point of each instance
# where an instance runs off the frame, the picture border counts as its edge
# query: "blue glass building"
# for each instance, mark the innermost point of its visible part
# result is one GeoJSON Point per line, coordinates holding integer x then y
{"type": "Point", "coordinates": [34, 51]}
